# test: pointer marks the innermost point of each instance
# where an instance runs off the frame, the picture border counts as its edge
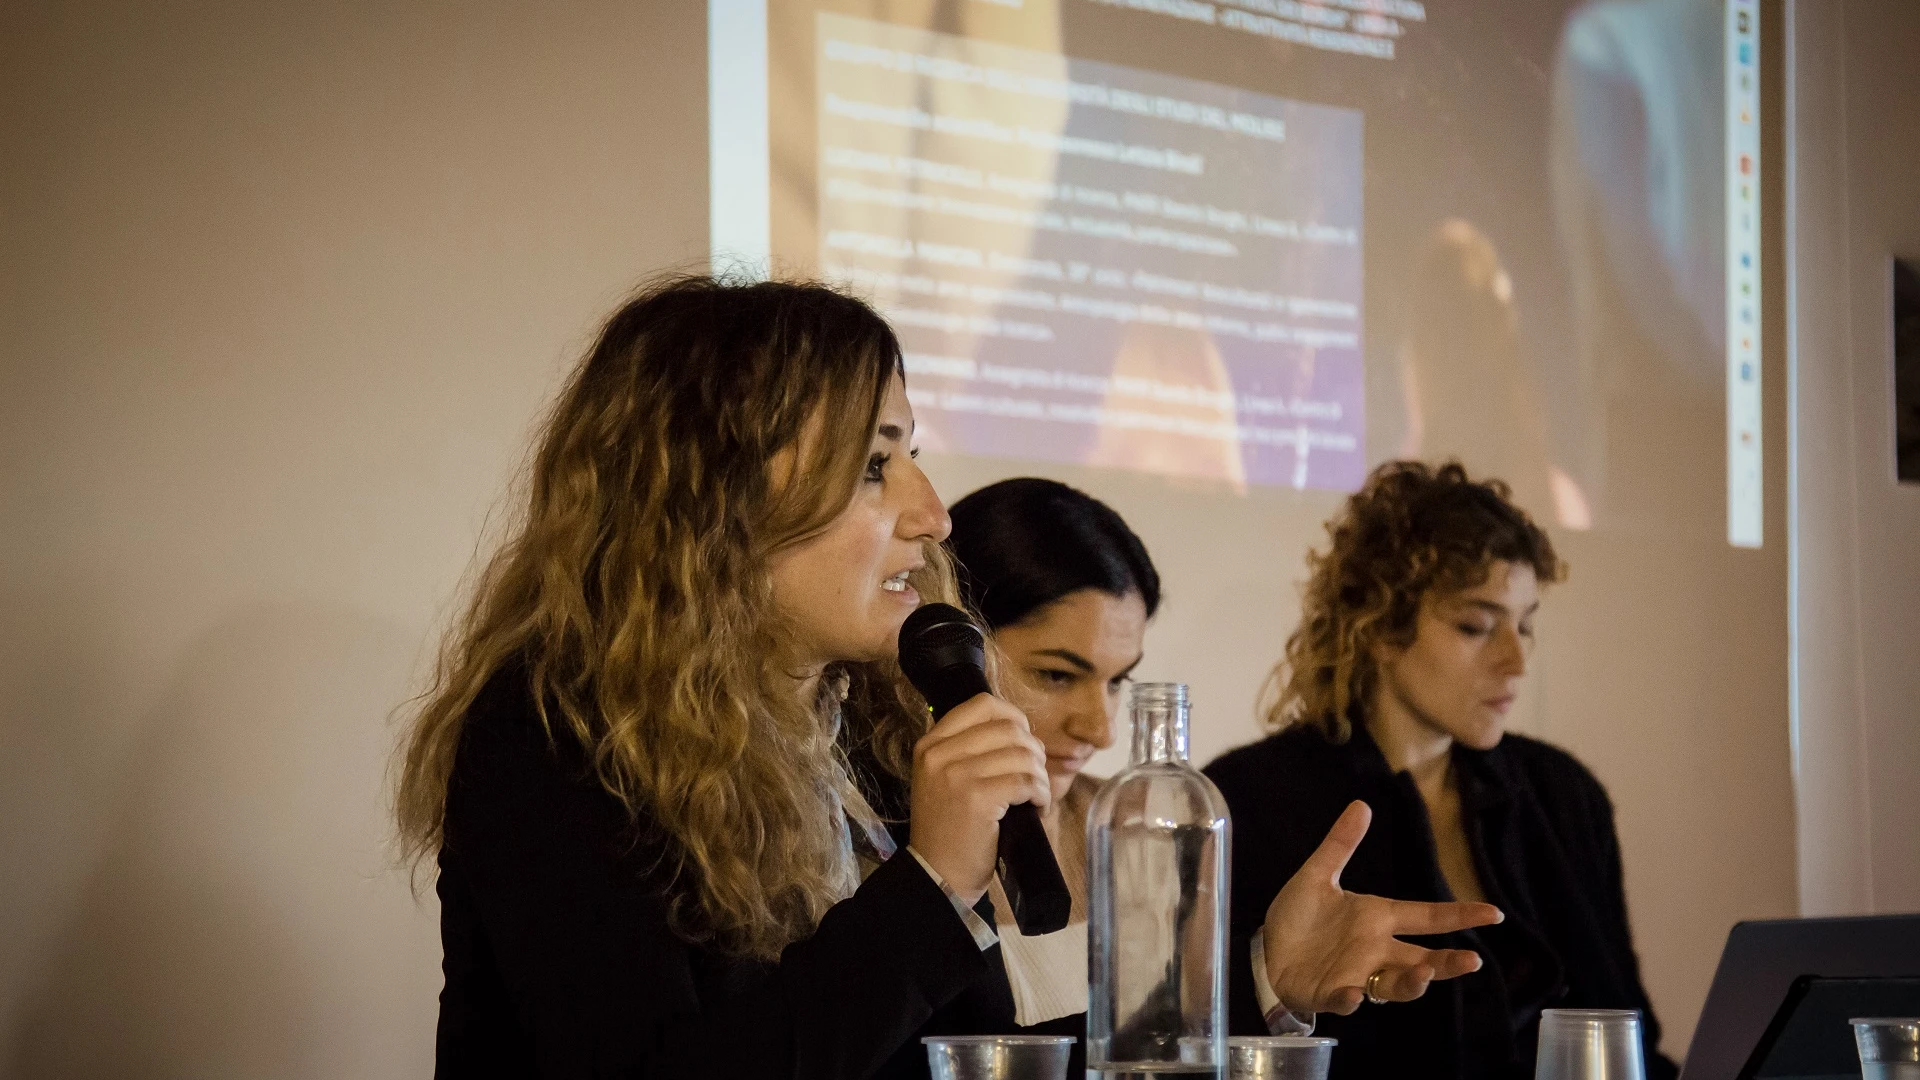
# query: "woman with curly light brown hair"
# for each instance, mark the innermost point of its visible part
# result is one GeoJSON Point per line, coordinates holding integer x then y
{"type": "Point", "coordinates": [1416, 627]}
{"type": "Point", "coordinates": [635, 771]}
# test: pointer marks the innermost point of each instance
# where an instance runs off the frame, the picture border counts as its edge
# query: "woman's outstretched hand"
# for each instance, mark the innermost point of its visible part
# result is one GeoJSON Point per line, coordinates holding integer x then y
{"type": "Point", "coordinates": [1323, 943]}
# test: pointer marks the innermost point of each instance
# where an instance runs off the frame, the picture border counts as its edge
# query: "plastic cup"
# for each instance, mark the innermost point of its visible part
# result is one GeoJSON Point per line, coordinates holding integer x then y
{"type": "Point", "coordinates": [1279, 1057]}
{"type": "Point", "coordinates": [1590, 1044]}
{"type": "Point", "coordinates": [1889, 1047]}
{"type": "Point", "coordinates": [998, 1057]}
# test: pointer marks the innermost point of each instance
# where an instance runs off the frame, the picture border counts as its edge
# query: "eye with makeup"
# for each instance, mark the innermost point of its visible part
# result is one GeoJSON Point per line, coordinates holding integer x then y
{"type": "Point", "coordinates": [878, 461]}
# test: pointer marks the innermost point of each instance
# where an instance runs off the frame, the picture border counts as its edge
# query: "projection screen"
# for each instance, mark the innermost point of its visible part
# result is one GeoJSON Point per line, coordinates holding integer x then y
{"type": "Point", "coordinates": [1267, 242]}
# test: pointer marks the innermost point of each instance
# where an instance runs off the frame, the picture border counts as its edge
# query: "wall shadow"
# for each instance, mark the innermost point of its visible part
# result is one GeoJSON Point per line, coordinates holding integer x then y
{"type": "Point", "coordinates": [243, 918]}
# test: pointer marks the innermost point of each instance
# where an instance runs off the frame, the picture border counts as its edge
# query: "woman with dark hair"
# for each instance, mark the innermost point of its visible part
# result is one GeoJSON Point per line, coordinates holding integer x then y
{"type": "Point", "coordinates": [1065, 589]}
{"type": "Point", "coordinates": [1414, 635]}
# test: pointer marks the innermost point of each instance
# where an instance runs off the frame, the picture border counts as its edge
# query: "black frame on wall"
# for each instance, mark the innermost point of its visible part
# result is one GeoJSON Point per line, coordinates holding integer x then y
{"type": "Point", "coordinates": [1906, 370]}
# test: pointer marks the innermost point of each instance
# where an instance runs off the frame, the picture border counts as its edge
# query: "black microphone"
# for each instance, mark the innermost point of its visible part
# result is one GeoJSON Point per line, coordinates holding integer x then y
{"type": "Point", "coordinates": [944, 655]}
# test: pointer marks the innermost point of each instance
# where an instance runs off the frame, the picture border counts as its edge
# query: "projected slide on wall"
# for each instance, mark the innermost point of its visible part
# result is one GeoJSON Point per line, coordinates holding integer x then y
{"type": "Point", "coordinates": [1089, 262]}
{"type": "Point", "coordinates": [1269, 243]}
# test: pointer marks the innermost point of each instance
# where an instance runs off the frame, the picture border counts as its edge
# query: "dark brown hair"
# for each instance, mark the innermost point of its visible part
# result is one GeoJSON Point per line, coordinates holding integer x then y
{"type": "Point", "coordinates": [1022, 544]}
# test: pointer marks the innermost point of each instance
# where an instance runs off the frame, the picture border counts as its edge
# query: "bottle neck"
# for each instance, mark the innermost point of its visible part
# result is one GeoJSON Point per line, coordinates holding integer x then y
{"type": "Point", "coordinates": [1159, 723]}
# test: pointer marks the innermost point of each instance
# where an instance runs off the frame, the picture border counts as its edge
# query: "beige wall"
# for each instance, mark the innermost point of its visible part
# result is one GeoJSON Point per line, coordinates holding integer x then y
{"type": "Point", "coordinates": [1857, 611]}
{"type": "Point", "coordinates": [284, 291]}
{"type": "Point", "coordinates": [285, 285]}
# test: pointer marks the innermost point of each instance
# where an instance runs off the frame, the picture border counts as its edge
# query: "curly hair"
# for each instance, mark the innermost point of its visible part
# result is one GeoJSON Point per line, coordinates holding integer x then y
{"type": "Point", "coordinates": [634, 589]}
{"type": "Point", "coordinates": [1410, 532]}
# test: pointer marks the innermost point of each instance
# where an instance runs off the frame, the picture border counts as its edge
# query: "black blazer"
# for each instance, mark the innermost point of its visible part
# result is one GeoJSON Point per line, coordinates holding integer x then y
{"type": "Point", "coordinates": [559, 961]}
{"type": "Point", "coordinates": [1541, 831]}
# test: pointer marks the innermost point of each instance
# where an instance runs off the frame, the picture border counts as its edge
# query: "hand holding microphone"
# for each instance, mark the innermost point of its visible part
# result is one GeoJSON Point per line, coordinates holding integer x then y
{"type": "Point", "coordinates": [975, 763]}
{"type": "Point", "coordinates": [978, 776]}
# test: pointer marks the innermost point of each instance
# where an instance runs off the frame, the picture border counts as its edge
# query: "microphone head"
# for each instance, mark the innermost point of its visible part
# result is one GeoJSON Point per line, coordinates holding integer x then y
{"type": "Point", "coordinates": [943, 654]}
{"type": "Point", "coordinates": [941, 623]}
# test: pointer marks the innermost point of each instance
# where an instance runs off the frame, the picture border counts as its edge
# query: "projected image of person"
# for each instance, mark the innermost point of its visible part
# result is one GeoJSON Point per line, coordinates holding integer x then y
{"type": "Point", "coordinates": [1636, 158]}
{"type": "Point", "coordinates": [1021, 186]}
{"type": "Point", "coordinates": [1087, 261]}
{"type": "Point", "coordinates": [631, 772]}
{"type": "Point", "coordinates": [903, 206]}
{"type": "Point", "coordinates": [1470, 392]}
{"type": "Point", "coordinates": [1416, 627]}
{"type": "Point", "coordinates": [1192, 418]}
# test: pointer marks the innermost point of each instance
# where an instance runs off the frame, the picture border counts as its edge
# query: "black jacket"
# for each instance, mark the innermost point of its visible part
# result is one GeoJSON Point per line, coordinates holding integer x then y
{"type": "Point", "coordinates": [1541, 831]}
{"type": "Point", "coordinates": [559, 961]}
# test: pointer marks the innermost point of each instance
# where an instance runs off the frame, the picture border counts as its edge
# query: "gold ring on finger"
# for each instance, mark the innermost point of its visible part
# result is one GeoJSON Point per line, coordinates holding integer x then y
{"type": "Point", "coordinates": [1371, 981]}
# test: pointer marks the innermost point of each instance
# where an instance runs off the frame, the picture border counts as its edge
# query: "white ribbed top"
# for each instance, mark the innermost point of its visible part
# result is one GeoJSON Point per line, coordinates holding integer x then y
{"type": "Point", "coordinates": [1048, 973]}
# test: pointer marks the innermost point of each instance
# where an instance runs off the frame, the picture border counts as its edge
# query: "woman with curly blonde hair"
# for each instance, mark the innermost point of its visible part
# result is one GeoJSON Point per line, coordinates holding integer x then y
{"type": "Point", "coordinates": [688, 819]}
{"type": "Point", "coordinates": [1415, 631]}
{"type": "Point", "coordinates": [633, 771]}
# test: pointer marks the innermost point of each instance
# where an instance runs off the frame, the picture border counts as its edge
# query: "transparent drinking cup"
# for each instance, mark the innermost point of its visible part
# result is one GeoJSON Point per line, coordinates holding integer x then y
{"type": "Point", "coordinates": [1279, 1057]}
{"type": "Point", "coordinates": [998, 1057]}
{"type": "Point", "coordinates": [1590, 1044]}
{"type": "Point", "coordinates": [1889, 1047]}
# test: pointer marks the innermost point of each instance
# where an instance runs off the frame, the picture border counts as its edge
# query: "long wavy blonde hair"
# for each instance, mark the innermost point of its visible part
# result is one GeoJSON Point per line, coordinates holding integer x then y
{"type": "Point", "coordinates": [633, 592]}
{"type": "Point", "coordinates": [1410, 531]}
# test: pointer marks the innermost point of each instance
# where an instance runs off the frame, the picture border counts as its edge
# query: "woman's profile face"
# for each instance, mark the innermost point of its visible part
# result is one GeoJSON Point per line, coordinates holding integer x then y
{"type": "Point", "coordinates": [1069, 660]}
{"type": "Point", "coordinates": [844, 590]}
{"type": "Point", "coordinates": [1462, 671]}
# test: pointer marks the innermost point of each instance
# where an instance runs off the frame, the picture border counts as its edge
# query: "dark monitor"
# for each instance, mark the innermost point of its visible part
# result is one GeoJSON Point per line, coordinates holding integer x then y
{"type": "Point", "coordinates": [1767, 962]}
{"type": "Point", "coordinates": [1811, 1036]}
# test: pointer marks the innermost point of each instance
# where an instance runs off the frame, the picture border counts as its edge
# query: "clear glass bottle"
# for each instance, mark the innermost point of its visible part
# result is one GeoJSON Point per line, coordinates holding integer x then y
{"type": "Point", "coordinates": [1157, 844]}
